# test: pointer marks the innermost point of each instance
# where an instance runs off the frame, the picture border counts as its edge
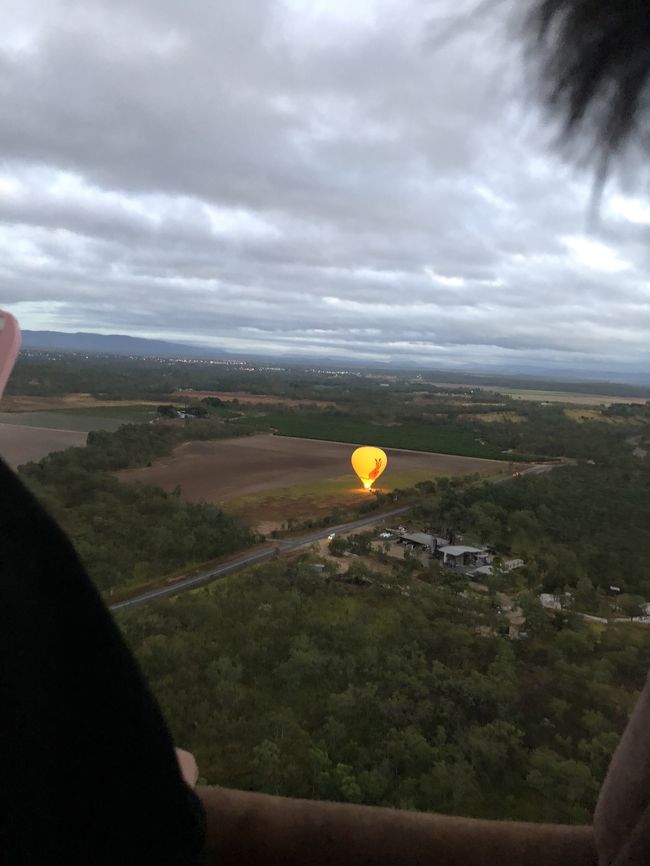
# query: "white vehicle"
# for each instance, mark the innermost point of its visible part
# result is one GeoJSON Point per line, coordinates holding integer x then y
{"type": "Point", "coordinates": [331, 536]}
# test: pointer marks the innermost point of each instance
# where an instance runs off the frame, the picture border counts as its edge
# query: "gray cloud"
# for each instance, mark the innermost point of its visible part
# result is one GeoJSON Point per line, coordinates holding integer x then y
{"type": "Point", "coordinates": [327, 178]}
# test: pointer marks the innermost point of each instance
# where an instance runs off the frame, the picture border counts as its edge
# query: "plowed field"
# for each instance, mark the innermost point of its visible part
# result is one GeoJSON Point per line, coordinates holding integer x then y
{"type": "Point", "coordinates": [226, 469]}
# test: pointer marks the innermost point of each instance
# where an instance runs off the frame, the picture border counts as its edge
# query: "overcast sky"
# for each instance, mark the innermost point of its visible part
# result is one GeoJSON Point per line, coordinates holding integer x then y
{"type": "Point", "coordinates": [346, 178]}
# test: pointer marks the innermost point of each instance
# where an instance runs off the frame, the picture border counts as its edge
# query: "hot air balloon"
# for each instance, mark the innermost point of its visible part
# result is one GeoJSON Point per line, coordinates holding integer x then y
{"type": "Point", "coordinates": [368, 463]}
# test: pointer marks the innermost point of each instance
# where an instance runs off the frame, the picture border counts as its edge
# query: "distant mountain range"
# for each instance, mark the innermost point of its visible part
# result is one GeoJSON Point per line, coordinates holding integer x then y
{"type": "Point", "coordinates": [114, 344]}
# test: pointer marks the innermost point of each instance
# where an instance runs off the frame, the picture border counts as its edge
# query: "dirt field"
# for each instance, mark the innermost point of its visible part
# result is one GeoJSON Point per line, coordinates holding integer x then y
{"type": "Point", "coordinates": [21, 444]}
{"type": "Point", "coordinates": [247, 397]}
{"type": "Point", "coordinates": [495, 417]}
{"type": "Point", "coordinates": [571, 397]}
{"type": "Point", "coordinates": [233, 468]}
{"type": "Point", "coordinates": [20, 403]}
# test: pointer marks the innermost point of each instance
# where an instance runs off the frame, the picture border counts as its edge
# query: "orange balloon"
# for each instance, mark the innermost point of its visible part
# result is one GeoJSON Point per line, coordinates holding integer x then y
{"type": "Point", "coordinates": [369, 463]}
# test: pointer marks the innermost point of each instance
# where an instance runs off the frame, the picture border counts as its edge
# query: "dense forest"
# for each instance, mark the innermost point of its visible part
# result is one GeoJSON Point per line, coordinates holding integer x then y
{"type": "Point", "coordinates": [128, 534]}
{"type": "Point", "coordinates": [396, 692]}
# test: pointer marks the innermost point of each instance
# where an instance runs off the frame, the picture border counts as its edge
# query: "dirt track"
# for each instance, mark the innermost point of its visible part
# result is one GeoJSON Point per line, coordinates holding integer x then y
{"type": "Point", "coordinates": [229, 468]}
{"type": "Point", "coordinates": [21, 444]}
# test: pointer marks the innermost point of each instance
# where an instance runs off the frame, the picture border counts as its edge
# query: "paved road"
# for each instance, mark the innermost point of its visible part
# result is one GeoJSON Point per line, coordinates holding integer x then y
{"type": "Point", "coordinates": [249, 559]}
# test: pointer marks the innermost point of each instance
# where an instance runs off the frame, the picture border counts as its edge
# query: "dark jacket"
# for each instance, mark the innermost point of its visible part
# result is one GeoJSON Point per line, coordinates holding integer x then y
{"type": "Point", "coordinates": [88, 774]}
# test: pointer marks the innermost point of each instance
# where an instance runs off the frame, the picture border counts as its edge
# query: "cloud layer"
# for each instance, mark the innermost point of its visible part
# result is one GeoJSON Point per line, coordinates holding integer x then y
{"type": "Point", "coordinates": [365, 180]}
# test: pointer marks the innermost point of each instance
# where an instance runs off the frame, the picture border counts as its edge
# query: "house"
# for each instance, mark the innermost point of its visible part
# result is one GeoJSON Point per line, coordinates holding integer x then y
{"type": "Point", "coordinates": [511, 564]}
{"type": "Point", "coordinates": [419, 540]}
{"type": "Point", "coordinates": [422, 540]}
{"type": "Point", "coordinates": [461, 555]}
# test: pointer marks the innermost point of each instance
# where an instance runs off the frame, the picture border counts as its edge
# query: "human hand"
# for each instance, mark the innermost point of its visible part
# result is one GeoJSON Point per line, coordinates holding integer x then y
{"type": "Point", "coordinates": [188, 767]}
{"type": "Point", "coordinates": [9, 346]}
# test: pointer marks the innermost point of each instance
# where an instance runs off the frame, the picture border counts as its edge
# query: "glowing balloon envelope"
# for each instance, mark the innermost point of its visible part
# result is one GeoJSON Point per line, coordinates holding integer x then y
{"type": "Point", "coordinates": [369, 463]}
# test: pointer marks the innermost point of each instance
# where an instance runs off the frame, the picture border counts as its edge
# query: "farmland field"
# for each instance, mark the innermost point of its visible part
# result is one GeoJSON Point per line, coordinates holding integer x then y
{"type": "Point", "coordinates": [569, 397]}
{"type": "Point", "coordinates": [20, 444]}
{"type": "Point", "coordinates": [417, 436]}
{"type": "Point", "coordinates": [248, 397]}
{"type": "Point", "coordinates": [577, 398]}
{"type": "Point", "coordinates": [81, 420]}
{"type": "Point", "coordinates": [83, 423]}
{"type": "Point", "coordinates": [252, 470]}
{"type": "Point", "coordinates": [27, 403]}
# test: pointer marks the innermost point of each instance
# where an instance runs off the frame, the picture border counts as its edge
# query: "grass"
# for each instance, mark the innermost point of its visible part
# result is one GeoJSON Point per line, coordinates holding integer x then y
{"type": "Point", "coordinates": [497, 418]}
{"type": "Point", "coordinates": [582, 415]}
{"type": "Point", "coordinates": [82, 420]}
{"type": "Point", "coordinates": [442, 439]}
{"type": "Point", "coordinates": [338, 486]}
{"type": "Point", "coordinates": [83, 423]}
{"type": "Point", "coordinates": [568, 397]}
{"type": "Point", "coordinates": [317, 498]}
{"type": "Point", "coordinates": [134, 413]}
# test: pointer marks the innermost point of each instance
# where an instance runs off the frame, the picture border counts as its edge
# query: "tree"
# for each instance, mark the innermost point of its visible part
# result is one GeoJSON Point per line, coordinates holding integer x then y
{"type": "Point", "coordinates": [536, 618]}
{"type": "Point", "coordinates": [358, 572]}
{"type": "Point", "coordinates": [197, 411]}
{"type": "Point", "coordinates": [338, 545]}
{"type": "Point", "coordinates": [360, 543]}
{"type": "Point", "coordinates": [631, 605]}
{"type": "Point", "coordinates": [585, 595]}
{"type": "Point", "coordinates": [267, 766]}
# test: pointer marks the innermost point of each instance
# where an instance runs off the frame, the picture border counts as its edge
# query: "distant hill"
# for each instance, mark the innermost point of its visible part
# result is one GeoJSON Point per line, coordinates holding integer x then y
{"type": "Point", "coordinates": [114, 344]}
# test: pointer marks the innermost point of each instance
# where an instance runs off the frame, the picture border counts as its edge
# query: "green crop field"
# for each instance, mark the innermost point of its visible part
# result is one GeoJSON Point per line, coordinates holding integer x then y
{"type": "Point", "coordinates": [130, 413]}
{"type": "Point", "coordinates": [82, 419]}
{"type": "Point", "coordinates": [442, 439]}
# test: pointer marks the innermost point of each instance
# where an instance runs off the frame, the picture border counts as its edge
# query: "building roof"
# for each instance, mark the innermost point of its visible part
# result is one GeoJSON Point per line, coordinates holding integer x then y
{"type": "Point", "coordinates": [418, 538]}
{"type": "Point", "coordinates": [459, 549]}
{"type": "Point", "coordinates": [442, 542]}
{"type": "Point", "coordinates": [511, 564]}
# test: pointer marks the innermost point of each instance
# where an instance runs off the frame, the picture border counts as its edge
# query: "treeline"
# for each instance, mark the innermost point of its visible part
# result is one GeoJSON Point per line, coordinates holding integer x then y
{"type": "Point", "coordinates": [546, 430]}
{"type": "Point", "coordinates": [282, 682]}
{"type": "Point", "coordinates": [121, 378]}
{"type": "Point", "coordinates": [627, 410]}
{"type": "Point", "coordinates": [46, 373]}
{"type": "Point", "coordinates": [128, 534]}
